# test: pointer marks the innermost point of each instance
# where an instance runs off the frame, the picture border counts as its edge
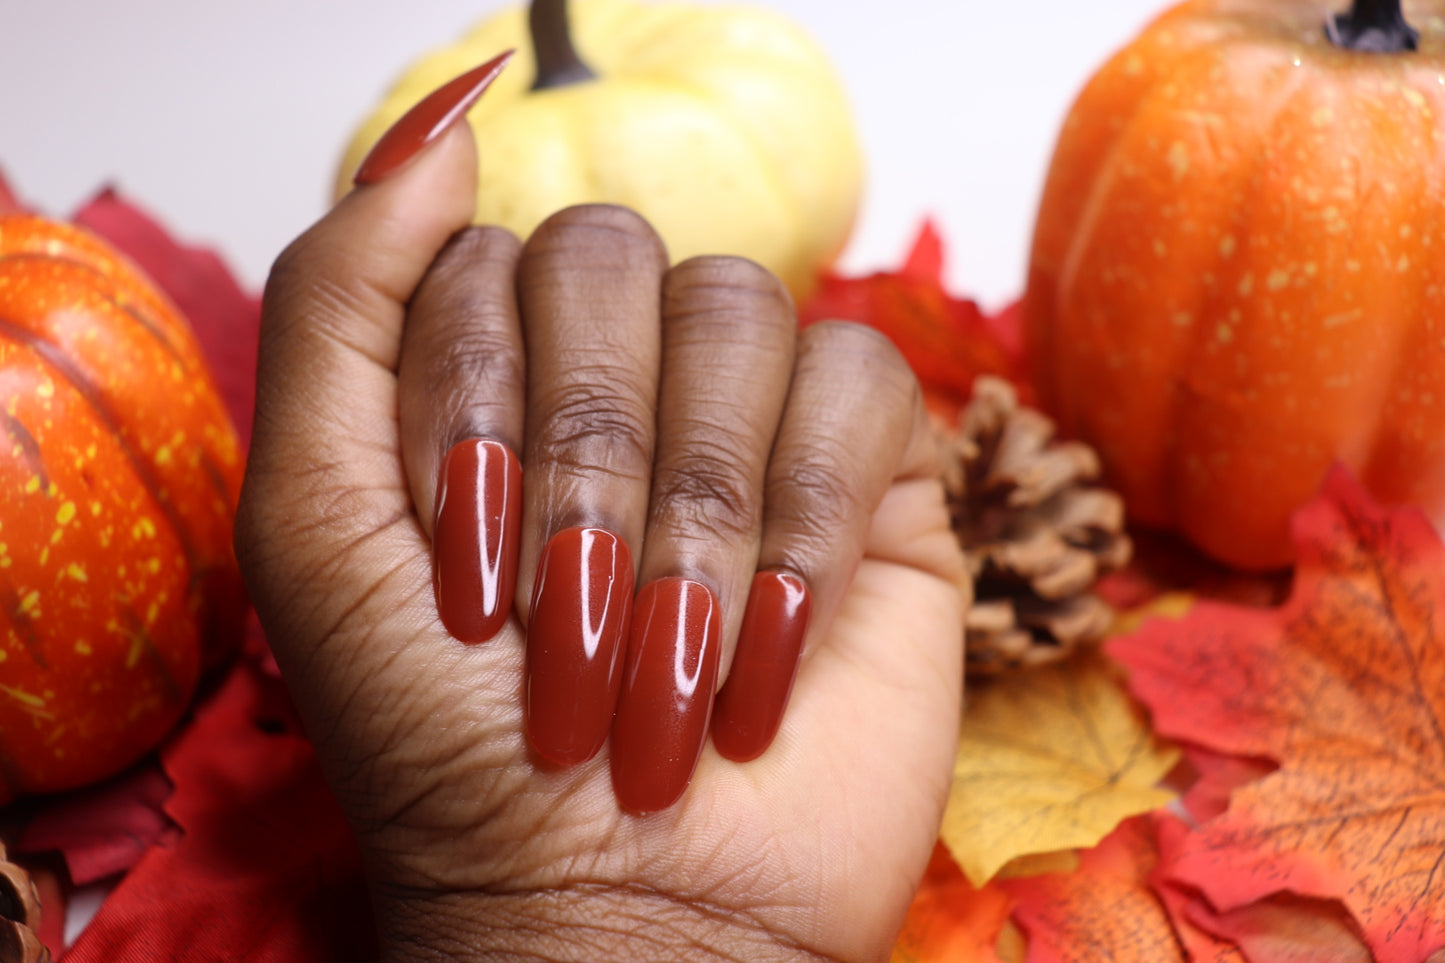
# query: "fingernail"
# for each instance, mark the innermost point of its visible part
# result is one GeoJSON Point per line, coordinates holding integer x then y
{"type": "Point", "coordinates": [667, 693]}
{"type": "Point", "coordinates": [750, 706]}
{"type": "Point", "coordinates": [474, 540]}
{"type": "Point", "coordinates": [575, 636]}
{"type": "Point", "coordinates": [428, 120]}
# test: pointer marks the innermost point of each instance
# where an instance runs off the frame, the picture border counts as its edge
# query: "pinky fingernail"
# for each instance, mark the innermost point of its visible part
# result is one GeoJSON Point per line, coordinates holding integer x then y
{"type": "Point", "coordinates": [427, 121]}
{"type": "Point", "coordinates": [750, 705]}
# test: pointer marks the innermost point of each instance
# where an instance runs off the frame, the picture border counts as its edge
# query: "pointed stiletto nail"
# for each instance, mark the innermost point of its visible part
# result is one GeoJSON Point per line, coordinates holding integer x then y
{"type": "Point", "coordinates": [667, 693]}
{"type": "Point", "coordinates": [475, 538]}
{"type": "Point", "coordinates": [575, 638]}
{"type": "Point", "coordinates": [427, 121]}
{"type": "Point", "coordinates": [750, 706]}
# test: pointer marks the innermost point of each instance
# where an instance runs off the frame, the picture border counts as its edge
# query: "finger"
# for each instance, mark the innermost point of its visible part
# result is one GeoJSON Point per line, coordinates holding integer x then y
{"type": "Point", "coordinates": [853, 427]}
{"type": "Point", "coordinates": [323, 473]}
{"type": "Point", "coordinates": [588, 284]}
{"type": "Point", "coordinates": [728, 338]}
{"type": "Point", "coordinates": [461, 389]}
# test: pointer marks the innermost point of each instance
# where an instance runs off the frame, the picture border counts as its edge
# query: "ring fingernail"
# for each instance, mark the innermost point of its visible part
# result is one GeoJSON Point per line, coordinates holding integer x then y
{"type": "Point", "coordinates": [474, 539]}
{"type": "Point", "coordinates": [667, 693]}
{"type": "Point", "coordinates": [751, 703]}
{"type": "Point", "coordinates": [580, 608]}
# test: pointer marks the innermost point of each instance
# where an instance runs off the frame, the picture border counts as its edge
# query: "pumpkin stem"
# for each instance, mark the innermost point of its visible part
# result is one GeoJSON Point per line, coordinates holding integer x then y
{"type": "Point", "coordinates": [557, 62]}
{"type": "Point", "coordinates": [1372, 26]}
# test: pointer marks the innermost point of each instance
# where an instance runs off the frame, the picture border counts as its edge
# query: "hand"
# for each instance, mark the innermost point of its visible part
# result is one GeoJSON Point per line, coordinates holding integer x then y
{"type": "Point", "coordinates": [680, 410]}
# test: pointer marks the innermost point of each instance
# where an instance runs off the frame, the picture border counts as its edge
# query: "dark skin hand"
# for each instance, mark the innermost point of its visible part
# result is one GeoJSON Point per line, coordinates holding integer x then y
{"type": "Point", "coordinates": [679, 408]}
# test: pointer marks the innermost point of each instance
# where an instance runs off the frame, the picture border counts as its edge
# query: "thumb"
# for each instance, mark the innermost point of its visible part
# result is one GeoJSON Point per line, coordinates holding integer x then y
{"type": "Point", "coordinates": [325, 470]}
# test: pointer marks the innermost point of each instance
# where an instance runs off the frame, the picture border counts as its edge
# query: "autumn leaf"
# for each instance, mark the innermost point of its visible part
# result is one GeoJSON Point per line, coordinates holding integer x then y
{"type": "Point", "coordinates": [9, 203]}
{"type": "Point", "coordinates": [950, 921]}
{"type": "Point", "coordinates": [1049, 760]}
{"type": "Point", "coordinates": [1343, 687]}
{"type": "Point", "coordinates": [264, 867]}
{"type": "Point", "coordinates": [1281, 929]}
{"type": "Point", "coordinates": [1104, 911]}
{"type": "Point", "coordinates": [948, 341]}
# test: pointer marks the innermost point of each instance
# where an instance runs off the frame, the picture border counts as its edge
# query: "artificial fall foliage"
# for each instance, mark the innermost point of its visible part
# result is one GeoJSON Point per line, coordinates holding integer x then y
{"type": "Point", "coordinates": [1344, 688]}
{"type": "Point", "coordinates": [948, 341]}
{"type": "Point", "coordinates": [1049, 760]}
{"type": "Point", "coordinates": [1319, 712]}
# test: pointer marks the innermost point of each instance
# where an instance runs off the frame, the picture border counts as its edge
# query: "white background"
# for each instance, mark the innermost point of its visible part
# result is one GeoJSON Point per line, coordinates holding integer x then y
{"type": "Point", "coordinates": [228, 119]}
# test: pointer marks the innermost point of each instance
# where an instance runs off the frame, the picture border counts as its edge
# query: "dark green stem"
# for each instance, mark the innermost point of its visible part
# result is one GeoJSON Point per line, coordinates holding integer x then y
{"type": "Point", "coordinates": [557, 60]}
{"type": "Point", "coordinates": [1372, 26]}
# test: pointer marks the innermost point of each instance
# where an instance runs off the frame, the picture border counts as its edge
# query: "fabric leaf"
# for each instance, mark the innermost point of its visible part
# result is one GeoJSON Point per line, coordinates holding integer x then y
{"type": "Point", "coordinates": [1104, 911]}
{"type": "Point", "coordinates": [1049, 760]}
{"type": "Point", "coordinates": [948, 341]}
{"type": "Point", "coordinates": [1343, 687]}
{"type": "Point", "coordinates": [265, 869]}
{"type": "Point", "coordinates": [949, 920]}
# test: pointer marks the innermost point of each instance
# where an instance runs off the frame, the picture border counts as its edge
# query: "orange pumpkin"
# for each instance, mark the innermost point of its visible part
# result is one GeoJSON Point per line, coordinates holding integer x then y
{"type": "Point", "coordinates": [1238, 268]}
{"type": "Point", "coordinates": [117, 495]}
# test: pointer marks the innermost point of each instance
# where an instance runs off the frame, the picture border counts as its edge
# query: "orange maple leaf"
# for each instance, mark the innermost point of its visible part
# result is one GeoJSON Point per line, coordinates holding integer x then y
{"type": "Point", "coordinates": [950, 921]}
{"type": "Point", "coordinates": [1343, 687]}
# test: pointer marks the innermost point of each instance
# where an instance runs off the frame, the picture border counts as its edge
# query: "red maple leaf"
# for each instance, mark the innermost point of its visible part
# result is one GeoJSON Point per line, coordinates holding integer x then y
{"type": "Point", "coordinates": [9, 203]}
{"type": "Point", "coordinates": [1106, 910]}
{"type": "Point", "coordinates": [948, 341]}
{"type": "Point", "coordinates": [1343, 687]}
{"type": "Point", "coordinates": [264, 867]}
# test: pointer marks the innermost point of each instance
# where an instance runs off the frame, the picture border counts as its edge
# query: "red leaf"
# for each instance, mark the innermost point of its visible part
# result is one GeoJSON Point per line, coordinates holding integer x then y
{"type": "Point", "coordinates": [225, 318]}
{"type": "Point", "coordinates": [103, 830]}
{"type": "Point", "coordinates": [9, 203]}
{"type": "Point", "coordinates": [1344, 687]}
{"type": "Point", "coordinates": [1216, 777]}
{"type": "Point", "coordinates": [947, 341]}
{"type": "Point", "coordinates": [265, 868]}
{"type": "Point", "coordinates": [1105, 910]}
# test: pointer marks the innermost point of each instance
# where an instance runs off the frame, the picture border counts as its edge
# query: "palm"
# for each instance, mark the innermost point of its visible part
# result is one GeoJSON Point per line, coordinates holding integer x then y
{"type": "Point", "coordinates": [423, 741]}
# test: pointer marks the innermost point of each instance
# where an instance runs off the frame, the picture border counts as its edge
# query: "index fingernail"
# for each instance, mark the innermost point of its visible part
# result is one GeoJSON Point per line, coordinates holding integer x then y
{"type": "Point", "coordinates": [428, 120]}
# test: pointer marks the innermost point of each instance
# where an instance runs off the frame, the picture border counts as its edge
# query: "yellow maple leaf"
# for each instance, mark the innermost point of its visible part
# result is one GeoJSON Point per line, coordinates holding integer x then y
{"type": "Point", "coordinates": [1048, 760]}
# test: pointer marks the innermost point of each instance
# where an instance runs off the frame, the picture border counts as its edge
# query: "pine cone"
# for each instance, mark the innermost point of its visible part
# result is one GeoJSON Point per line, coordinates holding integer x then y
{"type": "Point", "coordinates": [19, 916]}
{"type": "Point", "coordinates": [1035, 534]}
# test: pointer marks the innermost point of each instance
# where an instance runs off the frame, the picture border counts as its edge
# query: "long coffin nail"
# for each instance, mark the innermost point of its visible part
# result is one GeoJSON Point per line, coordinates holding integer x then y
{"type": "Point", "coordinates": [667, 693]}
{"type": "Point", "coordinates": [428, 120]}
{"type": "Point", "coordinates": [475, 538]}
{"type": "Point", "coordinates": [580, 608]}
{"type": "Point", "coordinates": [750, 706]}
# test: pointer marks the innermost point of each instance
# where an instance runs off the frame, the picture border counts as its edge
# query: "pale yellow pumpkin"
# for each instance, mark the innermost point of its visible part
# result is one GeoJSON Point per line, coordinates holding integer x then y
{"type": "Point", "coordinates": [724, 126]}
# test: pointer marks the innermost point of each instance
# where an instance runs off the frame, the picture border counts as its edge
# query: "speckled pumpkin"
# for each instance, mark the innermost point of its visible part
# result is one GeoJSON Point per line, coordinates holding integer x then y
{"type": "Point", "coordinates": [117, 493]}
{"type": "Point", "coordinates": [1238, 269]}
{"type": "Point", "coordinates": [725, 126]}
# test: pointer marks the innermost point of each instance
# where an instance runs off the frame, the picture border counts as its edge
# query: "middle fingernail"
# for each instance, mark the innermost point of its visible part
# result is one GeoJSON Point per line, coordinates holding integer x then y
{"type": "Point", "coordinates": [579, 618]}
{"type": "Point", "coordinates": [667, 693]}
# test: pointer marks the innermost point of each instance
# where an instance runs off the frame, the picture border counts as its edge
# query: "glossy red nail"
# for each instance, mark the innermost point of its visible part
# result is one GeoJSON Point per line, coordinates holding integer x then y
{"type": "Point", "coordinates": [667, 693]}
{"type": "Point", "coordinates": [750, 706]}
{"type": "Point", "coordinates": [475, 538]}
{"type": "Point", "coordinates": [428, 120]}
{"type": "Point", "coordinates": [580, 608]}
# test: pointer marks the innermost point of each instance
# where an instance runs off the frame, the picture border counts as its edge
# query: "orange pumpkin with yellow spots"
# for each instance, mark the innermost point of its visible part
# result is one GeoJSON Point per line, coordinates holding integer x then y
{"type": "Point", "coordinates": [117, 493]}
{"type": "Point", "coordinates": [1238, 268]}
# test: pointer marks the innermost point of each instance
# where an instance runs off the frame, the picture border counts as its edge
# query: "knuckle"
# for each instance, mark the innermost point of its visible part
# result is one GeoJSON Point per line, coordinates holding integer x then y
{"type": "Point", "coordinates": [815, 499]}
{"type": "Point", "coordinates": [728, 279]}
{"type": "Point", "coordinates": [592, 416]}
{"type": "Point", "coordinates": [598, 228]}
{"type": "Point", "coordinates": [854, 345]}
{"type": "Point", "coordinates": [706, 490]}
{"type": "Point", "coordinates": [730, 297]}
